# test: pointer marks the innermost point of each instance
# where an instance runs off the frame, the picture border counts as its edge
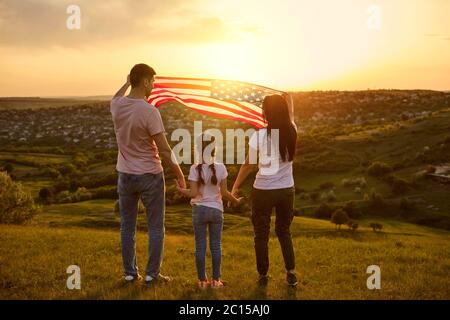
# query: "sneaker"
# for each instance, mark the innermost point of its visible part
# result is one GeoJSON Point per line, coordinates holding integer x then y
{"type": "Point", "coordinates": [159, 278]}
{"type": "Point", "coordinates": [215, 284]}
{"type": "Point", "coordinates": [291, 279]}
{"type": "Point", "coordinates": [131, 278]}
{"type": "Point", "coordinates": [203, 284]}
{"type": "Point", "coordinates": [263, 280]}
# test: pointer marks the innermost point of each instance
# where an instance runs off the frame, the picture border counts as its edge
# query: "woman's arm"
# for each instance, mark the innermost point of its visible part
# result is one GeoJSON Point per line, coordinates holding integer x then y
{"type": "Point", "coordinates": [190, 193]}
{"type": "Point", "coordinates": [245, 169]}
{"type": "Point", "coordinates": [227, 195]}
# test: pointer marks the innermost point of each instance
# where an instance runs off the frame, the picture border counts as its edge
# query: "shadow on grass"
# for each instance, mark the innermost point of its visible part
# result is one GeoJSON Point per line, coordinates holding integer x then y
{"type": "Point", "coordinates": [258, 293]}
{"type": "Point", "coordinates": [290, 293]}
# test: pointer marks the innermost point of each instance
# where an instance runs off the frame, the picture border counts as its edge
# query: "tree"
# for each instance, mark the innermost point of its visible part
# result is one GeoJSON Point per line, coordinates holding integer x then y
{"type": "Point", "coordinates": [16, 204]}
{"type": "Point", "coordinates": [352, 210]}
{"type": "Point", "coordinates": [378, 169]}
{"type": "Point", "coordinates": [339, 217]}
{"type": "Point", "coordinates": [45, 193]}
{"type": "Point", "coordinates": [9, 168]}
{"type": "Point", "coordinates": [376, 226]}
{"type": "Point", "coordinates": [399, 186]}
{"type": "Point", "coordinates": [324, 211]}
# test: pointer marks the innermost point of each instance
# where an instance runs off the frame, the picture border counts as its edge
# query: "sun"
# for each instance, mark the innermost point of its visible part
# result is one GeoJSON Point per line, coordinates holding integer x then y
{"type": "Point", "coordinates": [233, 61]}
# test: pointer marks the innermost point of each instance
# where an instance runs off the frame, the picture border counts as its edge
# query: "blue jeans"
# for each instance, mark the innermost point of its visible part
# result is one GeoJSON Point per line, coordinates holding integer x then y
{"type": "Point", "coordinates": [202, 218]}
{"type": "Point", "coordinates": [150, 188]}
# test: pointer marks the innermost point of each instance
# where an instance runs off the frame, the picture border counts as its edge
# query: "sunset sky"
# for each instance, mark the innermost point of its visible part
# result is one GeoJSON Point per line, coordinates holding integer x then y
{"type": "Point", "coordinates": [285, 44]}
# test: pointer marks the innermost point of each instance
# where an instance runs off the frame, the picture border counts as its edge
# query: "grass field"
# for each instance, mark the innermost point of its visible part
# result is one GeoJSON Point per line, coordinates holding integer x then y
{"type": "Point", "coordinates": [332, 264]}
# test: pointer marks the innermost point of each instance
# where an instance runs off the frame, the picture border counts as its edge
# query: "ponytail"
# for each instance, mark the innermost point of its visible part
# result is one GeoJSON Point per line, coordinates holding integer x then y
{"type": "Point", "coordinates": [199, 170]}
{"type": "Point", "coordinates": [214, 177]}
{"type": "Point", "coordinates": [201, 181]}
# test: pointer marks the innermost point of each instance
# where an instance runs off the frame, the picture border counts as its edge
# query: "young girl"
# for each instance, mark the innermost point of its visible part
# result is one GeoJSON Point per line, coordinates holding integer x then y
{"type": "Point", "coordinates": [208, 184]}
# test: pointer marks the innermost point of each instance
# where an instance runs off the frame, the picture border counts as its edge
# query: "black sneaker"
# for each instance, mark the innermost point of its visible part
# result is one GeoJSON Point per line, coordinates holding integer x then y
{"type": "Point", "coordinates": [263, 280]}
{"type": "Point", "coordinates": [160, 278]}
{"type": "Point", "coordinates": [291, 279]}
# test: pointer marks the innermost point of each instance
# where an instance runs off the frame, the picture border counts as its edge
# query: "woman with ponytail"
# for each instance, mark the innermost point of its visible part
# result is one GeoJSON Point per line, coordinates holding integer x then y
{"type": "Point", "coordinates": [274, 183]}
{"type": "Point", "coordinates": [208, 184]}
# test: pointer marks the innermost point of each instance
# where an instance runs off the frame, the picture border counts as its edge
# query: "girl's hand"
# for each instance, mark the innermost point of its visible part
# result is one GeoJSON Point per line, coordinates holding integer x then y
{"type": "Point", "coordinates": [240, 201]}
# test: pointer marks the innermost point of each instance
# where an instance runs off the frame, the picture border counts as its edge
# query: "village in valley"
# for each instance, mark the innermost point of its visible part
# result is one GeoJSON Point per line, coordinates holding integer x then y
{"type": "Point", "coordinates": [91, 125]}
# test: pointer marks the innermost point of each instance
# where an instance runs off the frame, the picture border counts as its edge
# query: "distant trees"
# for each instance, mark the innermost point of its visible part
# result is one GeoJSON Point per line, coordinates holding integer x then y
{"type": "Point", "coordinates": [328, 196]}
{"type": "Point", "coordinates": [16, 204]}
{"type": "Point", "coordinates": [399, 186]}
{"type": "Point", "coordinates": [359, 182]}
{"type": "Point", "coordinates": [352, 225]}
{"type": "Point", "coordinates": [378, 169]}
{"type": "Point", "coordinates": [324, 211]}
{"type": "Point", "coordinates": [352, 210]}
{"type": "Point", "coordinates": [314, 196]}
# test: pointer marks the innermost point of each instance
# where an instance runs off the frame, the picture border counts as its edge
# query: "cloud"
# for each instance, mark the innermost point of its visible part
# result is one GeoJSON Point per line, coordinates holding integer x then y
{"type": "Point", "coordinates": [42, 23]}
{"type": "Point", "coordinates": [437, 36]}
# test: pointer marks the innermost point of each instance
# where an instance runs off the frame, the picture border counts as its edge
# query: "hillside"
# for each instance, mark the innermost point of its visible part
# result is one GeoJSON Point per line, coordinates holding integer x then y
{"type": "Point", "coordinates": [379, 155]}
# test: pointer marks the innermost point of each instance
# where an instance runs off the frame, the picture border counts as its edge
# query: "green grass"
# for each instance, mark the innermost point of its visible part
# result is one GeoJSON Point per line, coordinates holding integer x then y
{"type": "Point", "coordinates": [331, 264]}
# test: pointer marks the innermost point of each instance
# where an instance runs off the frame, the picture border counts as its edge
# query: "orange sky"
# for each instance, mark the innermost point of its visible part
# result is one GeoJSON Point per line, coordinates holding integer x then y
{"type": "Point", "coordinates": [290, 45]}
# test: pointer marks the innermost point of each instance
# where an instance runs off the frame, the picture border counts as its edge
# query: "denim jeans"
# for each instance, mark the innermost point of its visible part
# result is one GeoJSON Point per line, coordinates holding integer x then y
{"type": "Point", "coordinates": [263, 201]}
{"type": "Point", "coordinates": [150, 188]}
{"type": "Point", "coordinates": [207, 218]}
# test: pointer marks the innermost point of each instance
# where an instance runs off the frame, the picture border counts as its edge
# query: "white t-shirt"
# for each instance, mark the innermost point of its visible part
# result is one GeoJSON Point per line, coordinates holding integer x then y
{"type": "Point", "coordinates": [209, 194]}
{"type": "Point", "coordinates": [273, 173]}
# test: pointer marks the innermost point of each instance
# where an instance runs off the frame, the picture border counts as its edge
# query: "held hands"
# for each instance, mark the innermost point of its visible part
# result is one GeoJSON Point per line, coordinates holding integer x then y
{"type": "Point", "coordinates": [240, 201]}
{"type": "Point", "coordinates": [234, 193]}
{"type": "Point", "coordinates": [180, 188]}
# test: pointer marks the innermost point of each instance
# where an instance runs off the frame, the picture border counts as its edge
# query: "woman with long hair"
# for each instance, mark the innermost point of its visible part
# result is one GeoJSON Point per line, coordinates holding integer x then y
{"type": "Point", "coordinates": [274, 183]}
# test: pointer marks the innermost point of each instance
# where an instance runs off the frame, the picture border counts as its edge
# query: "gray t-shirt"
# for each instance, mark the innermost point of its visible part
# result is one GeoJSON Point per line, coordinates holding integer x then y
{"type": "Point", "coordinates": [209, 194]}
{"type": "Point", "coordinates": [273, 173]}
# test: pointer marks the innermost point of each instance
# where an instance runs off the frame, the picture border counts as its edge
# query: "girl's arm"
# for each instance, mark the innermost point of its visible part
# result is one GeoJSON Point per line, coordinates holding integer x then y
{"type": "Point", "coordinates": [227, 195]}
{"type": "Point", "coordinates": [190, 193]}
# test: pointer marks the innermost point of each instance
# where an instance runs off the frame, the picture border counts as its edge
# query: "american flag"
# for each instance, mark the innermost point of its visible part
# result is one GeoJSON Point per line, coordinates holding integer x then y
{"type": "Point", "coordinates": [218, 98]}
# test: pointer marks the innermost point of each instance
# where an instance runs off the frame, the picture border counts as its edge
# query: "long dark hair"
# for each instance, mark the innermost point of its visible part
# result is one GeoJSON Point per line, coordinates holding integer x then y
{"type": "Point", "coordinates": [202, 143]}
{"type": "Point", "coordinates": [276, 112]}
